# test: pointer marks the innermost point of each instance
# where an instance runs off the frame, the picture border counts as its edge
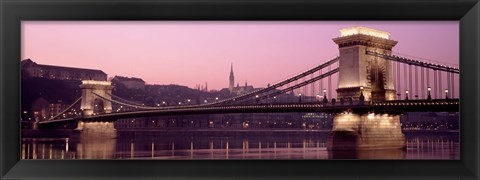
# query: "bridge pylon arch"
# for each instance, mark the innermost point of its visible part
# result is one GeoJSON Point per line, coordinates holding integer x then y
{"type": "Point", "coordinates": [89, 89]}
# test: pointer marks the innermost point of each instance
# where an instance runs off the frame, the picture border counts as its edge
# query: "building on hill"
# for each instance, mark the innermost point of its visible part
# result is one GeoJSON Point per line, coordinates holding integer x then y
{"type": "Point", "coordinates": [44, 109]}
{"type": "Point", "coordinates": [202, 88]}
{"type": "Point", "coordinates": [43, 98]}
{"type": "Point", "coordinates": [32, 69]}
{"type": "Point", "coordinates": [238, 90]}
{"type": "Point", "coordinates": [130, 83]}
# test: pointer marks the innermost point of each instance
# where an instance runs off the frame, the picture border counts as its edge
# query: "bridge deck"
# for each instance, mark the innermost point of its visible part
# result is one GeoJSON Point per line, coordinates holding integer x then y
{"type": "Point", "coordinates": [392, 107]}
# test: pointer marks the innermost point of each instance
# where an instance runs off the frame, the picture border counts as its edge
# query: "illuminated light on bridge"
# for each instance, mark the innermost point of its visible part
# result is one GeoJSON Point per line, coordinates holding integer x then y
{"type": "Point", "coordinates": [93, 82]}
{"type": "Point", "coordinates": [365, 31]}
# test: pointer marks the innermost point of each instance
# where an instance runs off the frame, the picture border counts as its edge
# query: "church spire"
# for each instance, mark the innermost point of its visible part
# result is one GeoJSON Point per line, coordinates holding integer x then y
{"type": "Point", "coordinates": [232, 79]}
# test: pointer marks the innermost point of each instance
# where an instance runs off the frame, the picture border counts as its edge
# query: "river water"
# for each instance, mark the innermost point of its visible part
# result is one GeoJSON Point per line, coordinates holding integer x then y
{"type": "Point", "coordinates": [278, 144]}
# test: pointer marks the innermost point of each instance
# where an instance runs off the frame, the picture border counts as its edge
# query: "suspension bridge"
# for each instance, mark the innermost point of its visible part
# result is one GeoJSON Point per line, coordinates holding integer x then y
{"type": "Point", "coordinates": [373, 86]}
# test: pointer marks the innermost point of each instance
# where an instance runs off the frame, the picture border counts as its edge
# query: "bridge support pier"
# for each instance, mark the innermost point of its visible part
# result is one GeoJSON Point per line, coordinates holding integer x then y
{"type": "Point", "coordinates": [97, 140]}
{"type": "Point", "coordinates": [97, 129]}
{"type": "Point", "coordinates": [366, 132]}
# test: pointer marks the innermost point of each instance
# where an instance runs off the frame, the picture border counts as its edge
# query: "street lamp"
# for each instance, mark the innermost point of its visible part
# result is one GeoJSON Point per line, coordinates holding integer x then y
{"type": "Point", "coordinates": [300, 97]}
{"type": "Point", "coordinates": [429, 96]}
{"type": "Point", "coordinates": [325, 100]}
{"type": "Point", "coordinates": [446, 93]}
{"type": "Point", "coordinates": [362, 98]}
{"type": "Point", "coordinates": [256, 98]}
{"type": "Point", "coordinates": [406, 94]}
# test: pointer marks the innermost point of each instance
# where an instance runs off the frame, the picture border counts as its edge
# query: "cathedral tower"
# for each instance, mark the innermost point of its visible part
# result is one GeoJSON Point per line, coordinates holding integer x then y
{"type": "Point", "coordinates": [232, 79]}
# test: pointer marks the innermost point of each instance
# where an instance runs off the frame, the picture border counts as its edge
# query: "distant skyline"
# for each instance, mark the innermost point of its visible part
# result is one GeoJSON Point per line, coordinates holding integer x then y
{"type": "Point", "coordinates": [194, 52]}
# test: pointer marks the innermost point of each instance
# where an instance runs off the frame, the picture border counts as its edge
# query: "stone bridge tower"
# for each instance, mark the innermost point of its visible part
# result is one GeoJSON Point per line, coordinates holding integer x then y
{"type": "Point", "coordinates": [90, 104]}
{"type": "Point", "coordinates": [89, 100]}
{"type": "Point", "coordinates": [357, 69]}
{"type": "Point", "coordinates": [365, 130]}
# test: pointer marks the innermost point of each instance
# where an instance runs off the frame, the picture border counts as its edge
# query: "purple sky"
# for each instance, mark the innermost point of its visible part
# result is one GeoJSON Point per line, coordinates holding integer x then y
{"type": "Point", "coordinates": [190, 53]}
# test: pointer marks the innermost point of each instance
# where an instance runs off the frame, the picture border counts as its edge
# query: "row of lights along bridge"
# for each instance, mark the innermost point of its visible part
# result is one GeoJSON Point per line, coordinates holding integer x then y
{"type": "Point", "coordinates": [324, 99]}
{"type": "Point", "coordinates": [362, 98]}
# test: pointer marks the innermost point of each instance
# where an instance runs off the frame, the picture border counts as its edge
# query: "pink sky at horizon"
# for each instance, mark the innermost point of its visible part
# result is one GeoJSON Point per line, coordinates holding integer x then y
{"type": "Point", "coordinates": [194, 52]}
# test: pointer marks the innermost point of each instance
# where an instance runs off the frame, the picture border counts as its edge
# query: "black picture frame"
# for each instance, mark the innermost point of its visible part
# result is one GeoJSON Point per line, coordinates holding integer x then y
{"type": "Point", "coordinates": [12, 12]}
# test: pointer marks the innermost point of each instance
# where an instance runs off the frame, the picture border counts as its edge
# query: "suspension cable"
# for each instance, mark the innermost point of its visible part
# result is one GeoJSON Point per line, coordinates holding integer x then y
{"type": "Point", "coordinates": [277, 85]}
{"type": "Point", "coordinates": [399, 80]}
{"type": "Point", "coordinates": [329, 83]}
{"type": "Point", "coordinates": [435, 84]}
{"type": "Point", "coordinates": [410, 81]}
{"type": "Point", "coordinates": [440, 84]}
{"type": "Point", "coordinates": [327, 74]}
{"type": "Point", "coordinates": [422, 82]}
{"type": "Point", "coordinates": [416, 82]}
{"type": "Point", "coordinates": [415, 62]}
{"type": "Point", "coordinates": [66, 109]}
{"type": "Point", "coordinates": [453, 85]}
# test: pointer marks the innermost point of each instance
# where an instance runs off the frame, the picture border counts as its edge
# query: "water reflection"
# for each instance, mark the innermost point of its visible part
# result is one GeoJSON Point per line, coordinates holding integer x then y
{"type": "Point", "coordinates": [369, 154]}
{"type": "Point", "coordinates": [91, 147]}
{"type": "Point", "coordinates": [228, 145]}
